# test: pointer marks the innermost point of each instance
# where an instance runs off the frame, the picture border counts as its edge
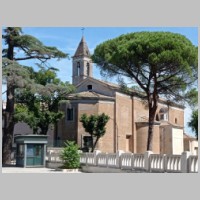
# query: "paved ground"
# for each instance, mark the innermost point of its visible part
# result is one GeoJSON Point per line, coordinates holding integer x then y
{"type": "Point", "coordinates": [13, 169]}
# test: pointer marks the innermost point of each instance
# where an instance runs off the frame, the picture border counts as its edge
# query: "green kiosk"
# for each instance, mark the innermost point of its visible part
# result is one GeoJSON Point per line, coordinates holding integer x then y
{"type": "Point", "coordinates": [31, 150]}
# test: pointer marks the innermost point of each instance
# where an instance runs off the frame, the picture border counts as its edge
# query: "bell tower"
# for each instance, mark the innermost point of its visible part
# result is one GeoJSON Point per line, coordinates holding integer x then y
{"type": "Point", "coordinates": [82, 63]}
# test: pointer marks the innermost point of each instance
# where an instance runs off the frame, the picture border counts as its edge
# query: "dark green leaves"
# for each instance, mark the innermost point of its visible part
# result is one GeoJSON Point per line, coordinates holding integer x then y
{"type": "Point", "coordinates": [38, 105]}
{"type": "Point", "coordinates": [95, 126]}
{"type": "Point", "coordinates": [29, 46]}
{"type": "Point", "coordinates": [144, 56]}
{"type": "Point", "coordinates": [194, 122]}
{"type": "Point", "coordinates": [70, 155]}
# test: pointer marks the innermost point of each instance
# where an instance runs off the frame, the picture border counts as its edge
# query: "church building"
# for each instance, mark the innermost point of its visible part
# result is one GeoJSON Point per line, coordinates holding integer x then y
{"type": "Point", "coordinates": [127, 128]}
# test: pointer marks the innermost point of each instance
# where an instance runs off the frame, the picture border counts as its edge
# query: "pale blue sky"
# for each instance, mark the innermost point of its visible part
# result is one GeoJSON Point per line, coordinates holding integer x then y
{"type": "Point", "coordinates": [67, 39]}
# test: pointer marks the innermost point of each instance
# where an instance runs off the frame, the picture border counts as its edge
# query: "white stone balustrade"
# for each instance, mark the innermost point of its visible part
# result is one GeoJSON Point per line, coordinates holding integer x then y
{"type": "Point", "coordinates": [157, 162]}
{"type": "Point", "coordinates": [173, 163]}
{"type": "Point", "coordinates": [193, 164]}
{"type": "Point", "coordinates": [126, 160]}
{"type": "Point", "coordinates": [54, 157]}
{"type": "Point", "coordinates": [147, 162]}
{"type": "Point", "coordinates": [102, 159]}
{"type": "Point", "coordinates": [83, 158]}
{"type": "Point", "coordinates": [138, 161]}
{"type": "Point", "coordinates": [90, 158]}
{"type": "Point", "coordinates": [112, 160]}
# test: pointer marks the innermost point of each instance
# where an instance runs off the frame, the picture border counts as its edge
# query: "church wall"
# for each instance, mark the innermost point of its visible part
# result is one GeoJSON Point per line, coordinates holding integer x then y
{"type": "Point", "coordinates": [177, 141]}
{"type": "Point", "coordinates": [173, 113]}
{"type": "Point", "coordinates": [124, 122]}
{"type": "Point", "coordinates": [88, 108]}
{"type": "Point", "coordinates": [178, 114]}
{"type": "Point", "coordinates": [167, 139]}
{"type": "Point", "coordinates": [142, 135]}
{"type": "Point", "coordinates": [107, 142]}
{"type": "Point", "coordinates": [99, 88]}
{"type": "Point", "coordinates": [67, 130]}
{"type": "Point", "coordinates": [186, 143]}
{"type": "Point", "coordinates": [194, 147]}
{"type": "Point", "coordinates": [140, 114]}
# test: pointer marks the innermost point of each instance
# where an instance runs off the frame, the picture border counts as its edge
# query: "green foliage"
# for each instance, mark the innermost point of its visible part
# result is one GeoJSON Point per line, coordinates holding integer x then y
{"type": "Point", "coordinates": [95, 126]}
{"type": "Point", "coordinates": [194, 122]}
{"type": "Point", "coordinates": [192, 97]}
{"type": "Point", "coordinates": [162, 64]}
{"type": "Point", "coordinates": [40, 105]}
{"type": "Point", "coordinates": [31, 47]}
{"type": "Point", "coordinates": [15, 76]}
{"type": "Point", "coordinates": [70, 155]}
{"type": "Point", "coordinates": [166, 58]}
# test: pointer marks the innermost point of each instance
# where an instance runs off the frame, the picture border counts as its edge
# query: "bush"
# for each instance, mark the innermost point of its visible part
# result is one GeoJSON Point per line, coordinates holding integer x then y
{"type": "Point", "coordinates": [70, 155]}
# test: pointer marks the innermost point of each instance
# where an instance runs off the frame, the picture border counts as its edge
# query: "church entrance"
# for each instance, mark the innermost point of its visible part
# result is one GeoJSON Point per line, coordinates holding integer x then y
{"type": "Point", "coordinates": [128, 143]}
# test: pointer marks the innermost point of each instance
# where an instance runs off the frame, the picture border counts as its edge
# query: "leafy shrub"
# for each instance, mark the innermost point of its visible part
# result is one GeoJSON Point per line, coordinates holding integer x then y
{"type": "Point", "coordinates": [70, 155]}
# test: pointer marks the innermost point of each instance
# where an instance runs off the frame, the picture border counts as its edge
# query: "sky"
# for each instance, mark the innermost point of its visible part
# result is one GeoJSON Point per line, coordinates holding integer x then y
{"type": "Point", "coordinates": [67, 39]}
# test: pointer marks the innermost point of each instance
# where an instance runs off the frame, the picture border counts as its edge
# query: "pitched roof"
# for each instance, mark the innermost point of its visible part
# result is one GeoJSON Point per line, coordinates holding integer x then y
{"type": "Point", "coordinates": [89, 95]}
{"type": "Point", "coordinates": [82, 49]}
{"type": "Point", "coordinates": [113, 85]}
{"type": "Point", "coordinates": [189, 137]}
{"type": "Point", "coordinates": [134, 92]}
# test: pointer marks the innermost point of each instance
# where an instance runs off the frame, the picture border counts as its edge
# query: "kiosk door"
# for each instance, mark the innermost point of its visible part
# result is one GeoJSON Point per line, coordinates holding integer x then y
{"type": "Point", "coordinates": [34, 154]}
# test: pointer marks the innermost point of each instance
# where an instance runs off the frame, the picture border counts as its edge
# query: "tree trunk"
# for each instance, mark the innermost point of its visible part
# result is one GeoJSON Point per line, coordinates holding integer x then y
{"type": "Point", "coordinates": [9, 121]}
{"type": "Point", "coordinates": [8, 126]}
{"type": "Point", "coordinates": [94, 145]}
{"type": "Point", "coordinates": [150, 134]}
{"type": "Point", "coordinates": [152, 113]}
{"type": "Point", "coordinates": [44, 130]}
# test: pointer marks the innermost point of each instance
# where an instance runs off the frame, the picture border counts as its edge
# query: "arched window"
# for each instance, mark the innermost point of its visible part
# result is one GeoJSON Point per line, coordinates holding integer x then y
{"type": "Point", "coordinates": [157, 117]}
{"type": "Point", "coordinates": [88, 69]}
{"type": "Point", "coordinates": [176, 121]}
{"type": "Point", "coordinates": [163, 114]}
{"type": "Point", "coordinates": [78, 68]}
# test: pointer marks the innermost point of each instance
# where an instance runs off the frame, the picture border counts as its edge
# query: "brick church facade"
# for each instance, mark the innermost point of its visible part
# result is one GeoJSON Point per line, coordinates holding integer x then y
{"type": "Point", "coordinates": [128, 125]}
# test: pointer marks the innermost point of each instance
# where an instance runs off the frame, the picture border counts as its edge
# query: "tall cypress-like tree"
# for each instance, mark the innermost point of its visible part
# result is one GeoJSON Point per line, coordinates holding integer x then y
{"type": "Point", "coordinates": [30, 48]}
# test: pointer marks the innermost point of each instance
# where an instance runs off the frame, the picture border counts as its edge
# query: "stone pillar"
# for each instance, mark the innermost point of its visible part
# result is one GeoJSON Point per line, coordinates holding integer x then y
{"type": "Point", "coordinates": [44, 155]}
{"type": "Point", "coordinates": [25, 153]}
{"type": "Point", "coordinates": [184, 161]}
{"type": "Point", "coordinates": [96, 152]}
{"type": "Point", "coordinates": [118, 157]}
{"type": "Point", "coordinates": [147, 160]}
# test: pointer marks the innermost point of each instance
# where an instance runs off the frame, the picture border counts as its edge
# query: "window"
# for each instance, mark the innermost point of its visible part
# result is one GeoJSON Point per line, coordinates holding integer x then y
{"type": "Point", "coordinates": [89, 87]}
{"type": "Point", "coordinates": [176, 121]}
{"type": "Point", "coordinates": [70, 114]}
{"type": "Point", "coordinates": [78, 68]}
{"type": "Point", "coordinates": [87, 141]}
{"type": "Point", "coordinates": [157, 117]}
{"type": "Point", "coordinates": [88, 69]}
{"type": "Point", "coordinates": [163, 114]}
